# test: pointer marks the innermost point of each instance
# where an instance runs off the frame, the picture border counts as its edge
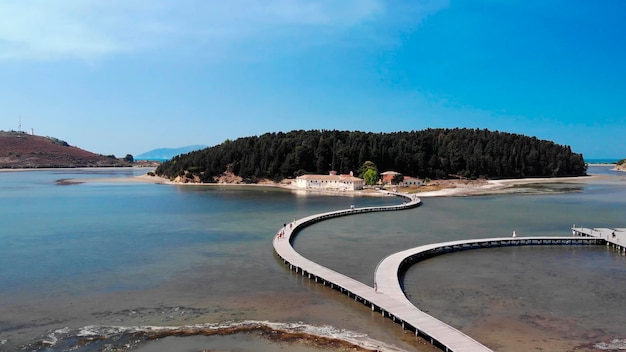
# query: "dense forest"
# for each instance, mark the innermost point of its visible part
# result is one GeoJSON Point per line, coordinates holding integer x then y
{"type": "Point", "coordinates": [432, 153]}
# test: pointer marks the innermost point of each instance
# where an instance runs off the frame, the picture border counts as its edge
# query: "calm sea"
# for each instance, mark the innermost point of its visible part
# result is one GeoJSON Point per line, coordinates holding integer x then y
{"type": "Point", "coordinates": [85, 265]}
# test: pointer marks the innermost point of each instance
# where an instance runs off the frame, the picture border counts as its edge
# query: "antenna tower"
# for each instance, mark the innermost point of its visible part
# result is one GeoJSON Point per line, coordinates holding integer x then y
{"type": "Point", "coordinates": [19, 129]}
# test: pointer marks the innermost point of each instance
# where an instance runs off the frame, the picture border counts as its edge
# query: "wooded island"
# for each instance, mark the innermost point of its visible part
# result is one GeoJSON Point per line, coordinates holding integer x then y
{"type": "Point", "coordinates": [430, 153]}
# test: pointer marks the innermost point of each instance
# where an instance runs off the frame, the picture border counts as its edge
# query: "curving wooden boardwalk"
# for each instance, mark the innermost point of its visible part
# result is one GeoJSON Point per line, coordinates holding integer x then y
{"type": "Point", "coordinates": [388, 296]}
{"type": "Point", "coordinates": [389, 269]}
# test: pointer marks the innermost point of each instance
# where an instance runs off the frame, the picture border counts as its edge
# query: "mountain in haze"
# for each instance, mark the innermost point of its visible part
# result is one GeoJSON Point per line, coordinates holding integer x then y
{"type": "Point", "coordinates": [23, 150]}
{"type": "Point", "coordinates": [162, 154]}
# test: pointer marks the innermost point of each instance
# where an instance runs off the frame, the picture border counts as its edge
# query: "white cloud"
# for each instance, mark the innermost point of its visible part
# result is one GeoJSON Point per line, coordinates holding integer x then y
{"type": "Point", "coordinates": [53, 29]}
{"type": "Point", "coordinates": [91, 29]}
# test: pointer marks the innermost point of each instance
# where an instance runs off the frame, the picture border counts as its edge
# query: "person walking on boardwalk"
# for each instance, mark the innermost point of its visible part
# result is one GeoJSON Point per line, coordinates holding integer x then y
{"type": "Point", "coordinates": [514, 234]}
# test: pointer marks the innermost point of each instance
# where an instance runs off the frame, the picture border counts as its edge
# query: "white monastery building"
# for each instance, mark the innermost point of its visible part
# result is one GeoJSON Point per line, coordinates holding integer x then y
{"type": "Point", "coordinates": [332, 181]}
{"type": "Point", "coordinates": [412, 181]}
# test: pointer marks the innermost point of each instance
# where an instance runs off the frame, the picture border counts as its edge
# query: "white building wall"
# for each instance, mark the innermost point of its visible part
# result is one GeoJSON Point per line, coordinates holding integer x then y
{"type": "Point", "coordinates": [334, 182]}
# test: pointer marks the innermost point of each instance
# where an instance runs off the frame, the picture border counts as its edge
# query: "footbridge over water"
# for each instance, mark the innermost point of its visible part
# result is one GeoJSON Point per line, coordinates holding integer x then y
{"type": "Point", "coordinates": [387, 295]}
{"type": "Point", "coordinates": [615, 238]}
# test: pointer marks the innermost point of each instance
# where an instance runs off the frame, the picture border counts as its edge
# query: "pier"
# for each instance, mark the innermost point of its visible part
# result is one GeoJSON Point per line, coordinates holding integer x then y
{"type": "Point", "coordinates": [614, 238]}
{"type": "Point", "coordinates": [387, 295]}
{"type": "Point", "coordinates": [390, 269]}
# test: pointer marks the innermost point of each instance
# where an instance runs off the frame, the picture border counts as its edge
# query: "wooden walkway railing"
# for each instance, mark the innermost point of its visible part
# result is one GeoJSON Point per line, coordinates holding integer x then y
{"type": "Point", "coordinates": [387, 295]}
{"type": "Point", "coordinates": [389, 270]}
{"type": "Point", "coordinates": [615, 238]}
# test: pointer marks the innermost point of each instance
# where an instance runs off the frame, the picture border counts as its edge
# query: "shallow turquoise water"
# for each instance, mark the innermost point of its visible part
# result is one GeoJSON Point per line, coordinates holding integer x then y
{"type": "Point", "coordinates": [135, 254]}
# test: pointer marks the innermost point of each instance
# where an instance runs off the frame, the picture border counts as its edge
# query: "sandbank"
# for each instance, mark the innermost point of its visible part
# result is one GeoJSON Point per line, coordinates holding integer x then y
{"type": "Point", "coordinates": [451, 189]}
{"type": "Point", "coordinates": [446, 188]}
{"type": "Point", "coordinates": [461, 188]}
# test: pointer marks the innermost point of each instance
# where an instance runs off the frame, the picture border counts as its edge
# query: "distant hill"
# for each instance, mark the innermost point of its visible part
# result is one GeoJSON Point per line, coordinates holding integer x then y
{"type": "Point", "coordinates": [22, 150]}
{"type": "Point", "coordinates": [162, 154]}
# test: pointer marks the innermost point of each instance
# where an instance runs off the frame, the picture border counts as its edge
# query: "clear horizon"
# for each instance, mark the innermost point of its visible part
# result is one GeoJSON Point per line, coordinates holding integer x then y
{"type": "Point", "coordinates": [128, 77]}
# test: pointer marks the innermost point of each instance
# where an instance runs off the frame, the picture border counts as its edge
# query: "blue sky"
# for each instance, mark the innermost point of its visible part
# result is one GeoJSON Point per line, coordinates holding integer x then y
{"type": "Point", "coordinates": [119, 76]}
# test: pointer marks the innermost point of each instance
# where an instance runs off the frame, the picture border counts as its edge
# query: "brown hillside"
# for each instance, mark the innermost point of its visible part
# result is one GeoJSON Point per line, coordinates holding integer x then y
{"type": "Point", "coordinates": [21, 150]}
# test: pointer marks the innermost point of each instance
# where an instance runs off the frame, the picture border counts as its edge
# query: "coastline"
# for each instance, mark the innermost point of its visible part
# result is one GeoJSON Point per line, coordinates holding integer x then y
{"type": "Point", "coordinates": [451, 188]}
{"type": "Point", "coordinates": [442, 188]}
{"type": "Point", "coordinates": [501, 186]}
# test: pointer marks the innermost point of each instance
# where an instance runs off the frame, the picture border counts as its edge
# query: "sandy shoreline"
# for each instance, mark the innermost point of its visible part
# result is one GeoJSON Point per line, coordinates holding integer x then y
{"type": "Point", "coordinates": [450, 189]}
{"type": "Point", "coordinates": [443, 188]}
